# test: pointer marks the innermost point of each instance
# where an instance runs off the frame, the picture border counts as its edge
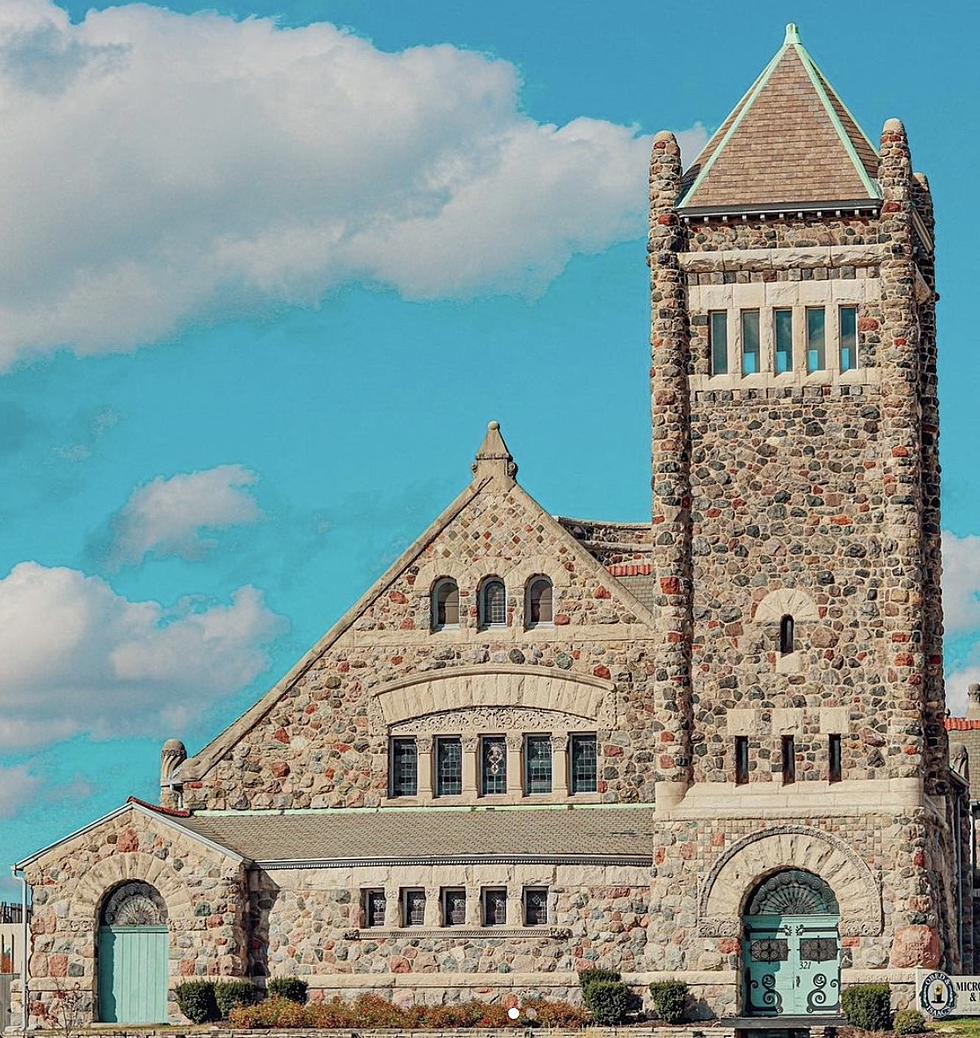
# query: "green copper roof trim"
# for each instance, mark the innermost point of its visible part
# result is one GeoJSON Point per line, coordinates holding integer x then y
{"type": "Point", "coordinates": [435, 809]}
{"type": "Point", "coordinates": [817, 78]}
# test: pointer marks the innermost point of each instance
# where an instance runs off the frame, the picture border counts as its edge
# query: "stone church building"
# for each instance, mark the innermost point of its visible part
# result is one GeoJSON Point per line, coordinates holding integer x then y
{"type": "Point", "coordinates": [710, 746]}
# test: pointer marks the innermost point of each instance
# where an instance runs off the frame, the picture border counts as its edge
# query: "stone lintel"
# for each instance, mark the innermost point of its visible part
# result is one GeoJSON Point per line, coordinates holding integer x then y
{"type": "Point", "coordinates": [781, 259]}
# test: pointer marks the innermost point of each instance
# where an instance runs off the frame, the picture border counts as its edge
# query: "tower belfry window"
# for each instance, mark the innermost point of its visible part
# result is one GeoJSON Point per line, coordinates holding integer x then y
{"type": "Point", "coordinates": [750, 342]}
{"type": "Point", "coordinates": [816, 339]}
{"type": "Point", "coordinates": [787, 636]}
{"type": "Point", "coordinates": [847, 316]}
{"type": "Point", "coordinates": [718, 334]}
{"type": "Point", "coordinates": [783, 335]}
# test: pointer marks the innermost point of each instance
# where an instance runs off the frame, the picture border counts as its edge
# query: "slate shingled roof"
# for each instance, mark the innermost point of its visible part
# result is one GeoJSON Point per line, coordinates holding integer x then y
{"type": "Point", "coordinates": [790, 140]}
{"type": "Point", "coordinates": [403, 834]}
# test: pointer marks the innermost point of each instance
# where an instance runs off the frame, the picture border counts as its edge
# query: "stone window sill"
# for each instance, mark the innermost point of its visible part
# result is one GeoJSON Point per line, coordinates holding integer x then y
{"type": "Point", "coordinates": [469, 799]}
{"type": "Point", "coordinates": [554, 933]}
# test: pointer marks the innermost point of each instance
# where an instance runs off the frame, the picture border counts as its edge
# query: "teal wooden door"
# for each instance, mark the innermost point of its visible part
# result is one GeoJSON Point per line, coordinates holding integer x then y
{"type": "Point", "coordinates": [792, 965]}
{"type": "Point", "coordinates": [133, 974]}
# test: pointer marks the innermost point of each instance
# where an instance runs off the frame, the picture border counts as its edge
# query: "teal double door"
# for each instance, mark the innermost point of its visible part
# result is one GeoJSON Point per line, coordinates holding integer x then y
{"type": "Point", "coordinates": [133, 974]}
{"type": "Point", "coordinates": [792, 965]}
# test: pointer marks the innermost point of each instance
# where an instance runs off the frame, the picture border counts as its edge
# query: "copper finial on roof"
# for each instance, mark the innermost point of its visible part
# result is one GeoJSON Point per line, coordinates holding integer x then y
{"type": "Point", "coordinates": [792, 34]}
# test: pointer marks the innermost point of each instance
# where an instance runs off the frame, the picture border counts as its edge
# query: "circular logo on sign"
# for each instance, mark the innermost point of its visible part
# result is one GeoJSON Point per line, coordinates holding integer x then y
{"type": "Point", "coordinates": [937, 995]}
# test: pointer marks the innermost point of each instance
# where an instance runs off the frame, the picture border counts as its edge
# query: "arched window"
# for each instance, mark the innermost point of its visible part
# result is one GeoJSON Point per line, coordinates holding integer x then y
{"type": "Point", "coordinates": [493, 603]}
{"type": "Point", "coordinates": [445, 604]}
{"type": "Point", "coordinates": [538, 608]}
{"type": "Point", "coordinates": [786, 636]}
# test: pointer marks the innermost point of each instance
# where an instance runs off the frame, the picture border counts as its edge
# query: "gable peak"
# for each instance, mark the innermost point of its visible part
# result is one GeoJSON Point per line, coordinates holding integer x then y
{"type": "Point", "coordinates": [494, 459]}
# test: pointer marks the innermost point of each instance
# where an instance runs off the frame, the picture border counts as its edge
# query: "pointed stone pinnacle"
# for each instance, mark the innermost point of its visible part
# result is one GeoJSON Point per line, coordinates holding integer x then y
{"type": "Point", "coordinates": [493, 459]}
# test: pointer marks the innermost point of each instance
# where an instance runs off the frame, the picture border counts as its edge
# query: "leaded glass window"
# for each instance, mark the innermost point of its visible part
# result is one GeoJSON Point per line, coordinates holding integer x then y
{"type": "Point", "coordinates": [374, 904]}
{"type": "Point", "coordinates": [445, 604]}
{"type": "Point", "coordinates": [537, 763]}
{"type": "Point", "coordinates": [783, 335]}
{"type": "Point", "coordinates": [535, 906]}
{"type": "Point", "coordinates": [818, 949]}
{"type": "Point", "coordinates": [750, 342]}
{"type": "Point", "coordinates": [449, 766]}
{"type": "Point", "coordinates": [848, 338]}
{"type": "Point", "coordinates": [493, 603]}
{"type": "Point", "coordinates": [718, 334]}
{"type": "Point", "coordinates": [404, 768]}
{"type": "Point", "coordinates": [584, 764]}
{"type": "Point", "coordinates": [413, 907]}
{"type": "Point", "coordinates": [770, 949]}
{"type": "Point", "coordinates": [539, 607]}
{"type": "Point", "coordinates": [453, 906]}
{"type": "Point", "coordinates": [493, 757]}
{"type": "Point", "coordinates": [816, 335]}
{"type": "Point", "coordinates": [494, 906]}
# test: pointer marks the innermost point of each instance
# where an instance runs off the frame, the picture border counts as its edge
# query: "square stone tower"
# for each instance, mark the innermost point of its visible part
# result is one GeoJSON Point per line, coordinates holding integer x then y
{"type": "Point", "coordinates": [796, 529]}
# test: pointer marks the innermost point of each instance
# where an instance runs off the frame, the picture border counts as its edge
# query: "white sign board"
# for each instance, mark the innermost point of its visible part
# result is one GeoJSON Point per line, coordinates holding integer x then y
{"type": "Point", "coordinates": [941, 995]}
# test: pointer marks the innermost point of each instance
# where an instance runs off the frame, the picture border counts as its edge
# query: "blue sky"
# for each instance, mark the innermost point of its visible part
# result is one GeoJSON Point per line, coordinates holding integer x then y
{"type": "Point", "coordinates": [264, 283]}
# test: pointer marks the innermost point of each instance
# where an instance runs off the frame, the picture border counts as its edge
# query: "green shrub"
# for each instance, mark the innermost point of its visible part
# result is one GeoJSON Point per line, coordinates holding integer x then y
{"type": "Point", "coordinates": [868, 1006]}
{"type": "Point", "coordinates": [670, 1000]}
{"type": "Point", "coordinates": [597, 976]}
{"type": "Point", "coordinates": [610, 1002]}
{"type": "Point", "coordinates": [291, 988]}
{"type": "Point", "coordinates": [229, 994]}
{"type": "Point", "coordinates": [196, 1001]}
{"type": "Point", "coordinates": [910, 1021]}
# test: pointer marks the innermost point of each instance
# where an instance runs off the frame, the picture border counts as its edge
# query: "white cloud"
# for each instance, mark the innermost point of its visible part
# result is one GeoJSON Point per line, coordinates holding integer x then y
{"type": "Point", "coordinates": [18, 787]}
{"type": "Point", "coordinates": [80, 659]}
{"type": "Point", "coordinates": [961, 583]}
{"type": "Point", "coordinates": [160, 168]}
{"type": "Point", "coordinates": [170, 516]}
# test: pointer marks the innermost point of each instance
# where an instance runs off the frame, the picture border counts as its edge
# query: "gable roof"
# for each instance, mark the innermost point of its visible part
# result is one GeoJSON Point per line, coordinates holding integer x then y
{"type": "Point", "coordinates": [494, 464]}
{"type": "Point", "coordinates": [790, 141]}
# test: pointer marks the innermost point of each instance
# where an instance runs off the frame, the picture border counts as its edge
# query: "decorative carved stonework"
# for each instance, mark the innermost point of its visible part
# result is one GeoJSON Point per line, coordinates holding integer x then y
{"type": "Point", "coordinates": [490, 719]}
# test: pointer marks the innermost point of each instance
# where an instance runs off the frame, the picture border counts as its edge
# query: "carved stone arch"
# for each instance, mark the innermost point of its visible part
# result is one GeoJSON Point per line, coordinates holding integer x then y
{"type": "Point", "coordinates": [425, 579]}
{"type": "Point", "coordinates": [500, 686]}
{"type": "Point", "coordinates": [786, 602]}
{"type": "Point", "coordinates": [107, 875]}
{"type": "Point", "coordinates": [743, 866]}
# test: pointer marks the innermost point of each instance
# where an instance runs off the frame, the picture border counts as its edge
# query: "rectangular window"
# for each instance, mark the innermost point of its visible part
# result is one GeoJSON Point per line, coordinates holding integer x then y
{"type": "Point", "coordinates": [835, 770]}
{"type": "Point", "coordinates": [493, 761]}
{"type": "Point", "coordinates": [741, 760]}
{"type": "Point", "coordinates": [413, 906]}
{"type": "Point", "coordinates": [584, 764]}
{"type": "Point", "coordinates": [494, 906]}
{"type": "Point", "coordinates": [718, 334]}
{"type": "Point", "coordinates": [373, 905]}
{"type": "Point", "coordinates": [449, 766]}
{"type": "Point", "coordinates": [789, 759]}
{"type": "Point", "coordinates": [848, 338]}
{"type": "Point", "coordinates": [404, 768]}
{"type": "Point", "coordinates": [537, 764]}
{"type": "Point", "coordinates": [453, 906]}
{"type": "Point", "coordinates": [535, 906]}
{"type": "Point", "coordinates": [750, 342]}
{"type": "Point", "coordinates": [816, 346]}
{"type": "Point", "coordinates": [782, 332]}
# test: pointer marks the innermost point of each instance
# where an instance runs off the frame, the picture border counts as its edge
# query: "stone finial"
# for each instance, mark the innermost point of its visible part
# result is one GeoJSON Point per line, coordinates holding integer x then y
{"type": "Point", "coordinates": [893, 126]}
{"type": "Point", "coordinates": [959, 760]}
{"type": "Point", "coordinates": [172, 756]}
{"type": "Point", "coordinates": [973, 706]}
{"type": "Point", "coordinates": [493, 459]}
{"type": "Point", "coordinates": [792, 34]}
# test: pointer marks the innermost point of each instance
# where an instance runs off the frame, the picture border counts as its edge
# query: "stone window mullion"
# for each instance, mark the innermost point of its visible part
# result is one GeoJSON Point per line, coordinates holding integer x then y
{"type": "Point", "coordinates": [471, 771]}
{"type": "Point", "coordinates": [559, 763]}
{"type": "Point", "coordinates": [424, 750]}
{"type": "Point", "coordinates": [515, 773]}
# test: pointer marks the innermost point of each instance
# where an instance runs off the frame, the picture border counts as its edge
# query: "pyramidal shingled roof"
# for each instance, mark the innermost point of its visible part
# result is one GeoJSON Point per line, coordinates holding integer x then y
{"type": "Point", "coordinates": [790, 140]}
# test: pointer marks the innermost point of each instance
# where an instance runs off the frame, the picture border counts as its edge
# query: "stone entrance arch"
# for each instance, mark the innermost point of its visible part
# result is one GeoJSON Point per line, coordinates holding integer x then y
{"type": "Point", "coordinates": [740, 869]}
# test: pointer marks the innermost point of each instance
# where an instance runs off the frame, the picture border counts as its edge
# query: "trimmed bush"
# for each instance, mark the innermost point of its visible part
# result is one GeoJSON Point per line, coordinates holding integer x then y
{"type": "Point", "coordinates": [274, 1012]}
{"type": "Point", "coordinates": [670, 1000]}
{"type": "Point", "coordinates": [597, 976]}
{"type": "Point", "coordinates": [292, 988]}
{"type": "Point", "coordinates": [196, 1001]}
{"type": "Point", "coordinates": [909, 1021]}
{"type": "Point", "coordinates": [610, 1002]}
{"type": "Point", "coordinates": [557, 1014]}
{"type": "Point", "coordinates": [229, 994]}
{"type": "Point", "coordinates": [868, 1006]}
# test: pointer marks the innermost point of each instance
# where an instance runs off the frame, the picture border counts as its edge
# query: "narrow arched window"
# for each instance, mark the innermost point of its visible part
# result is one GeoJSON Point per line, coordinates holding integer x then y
{"type": "Point", "coordinates": [538, 609]}
{"type": "Point", "coordinates": [786, 636]}
{"type": "Point", "coordinates": [493, 603]}
{"type": "Point", "coordinates": [445, 604]}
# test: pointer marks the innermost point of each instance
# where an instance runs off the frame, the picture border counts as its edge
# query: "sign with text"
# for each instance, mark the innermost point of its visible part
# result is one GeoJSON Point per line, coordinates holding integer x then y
{"type": "Point", "coordinates": [941, 995]}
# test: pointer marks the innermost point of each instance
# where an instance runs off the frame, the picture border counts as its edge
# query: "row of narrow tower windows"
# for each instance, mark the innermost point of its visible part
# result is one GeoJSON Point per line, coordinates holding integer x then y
{"type": "Point", "coordinates": [538, 764]}
{"type": "Point", "coordinates": [412, 907]}
{"type": "Point", "coordinates": [751, 361]}
{"type": "Point", "coordinates": [492, 603]}
{"type": "Point", "coordinates": [788, 759]}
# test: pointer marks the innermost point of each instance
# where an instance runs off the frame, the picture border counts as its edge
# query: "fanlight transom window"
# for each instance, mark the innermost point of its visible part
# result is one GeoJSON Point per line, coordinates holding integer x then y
{"type": "Point", "coordinates": [445, 604]}
{"type": "Point", "coordinates": [539, 609]}
{"type": "Point", "coordinates": [134, 904]}
{"type": "Point", "coordinates": [793, 892]}
{"type": "Point", "coordinates": [493, 603]}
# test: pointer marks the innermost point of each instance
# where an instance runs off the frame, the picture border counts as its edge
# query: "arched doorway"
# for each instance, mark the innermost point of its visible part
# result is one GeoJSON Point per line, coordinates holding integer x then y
{"type": "Point", "coordinates": [134, 947]}
{"type": "Point", "coordinates": [792, 947]}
